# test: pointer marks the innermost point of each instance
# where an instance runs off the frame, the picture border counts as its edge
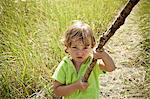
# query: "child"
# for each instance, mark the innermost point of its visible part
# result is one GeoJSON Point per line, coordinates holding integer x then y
{"type": "Point", "coordinates": [79, 44]}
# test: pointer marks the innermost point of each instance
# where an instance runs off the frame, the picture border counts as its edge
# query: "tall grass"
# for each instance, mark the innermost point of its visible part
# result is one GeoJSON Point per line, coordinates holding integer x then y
{"type": "Point", "coordinates": [30, 33]}
{"type": "Point", "coordinates": [144, 25]}
{"type": "Point", "coordinates": [142, 88]}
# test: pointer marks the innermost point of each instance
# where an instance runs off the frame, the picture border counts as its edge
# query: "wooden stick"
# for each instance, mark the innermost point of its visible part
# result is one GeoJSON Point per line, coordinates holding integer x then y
{"type": "Point", "coordinates": [109, 33]}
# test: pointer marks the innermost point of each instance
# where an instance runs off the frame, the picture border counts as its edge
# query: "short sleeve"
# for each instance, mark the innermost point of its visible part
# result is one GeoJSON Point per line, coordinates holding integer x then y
{"type": "Point", "coordinates": [59, 73]}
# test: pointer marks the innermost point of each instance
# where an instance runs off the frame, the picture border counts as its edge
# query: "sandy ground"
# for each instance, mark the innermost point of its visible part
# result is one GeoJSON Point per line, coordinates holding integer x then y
{"type": "Point", "coordinates": [127, 81]}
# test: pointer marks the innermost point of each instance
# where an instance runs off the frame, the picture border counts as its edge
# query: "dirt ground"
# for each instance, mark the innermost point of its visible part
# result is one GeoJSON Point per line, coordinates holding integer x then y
{"type": "Point", "coordinates": [127, 81]}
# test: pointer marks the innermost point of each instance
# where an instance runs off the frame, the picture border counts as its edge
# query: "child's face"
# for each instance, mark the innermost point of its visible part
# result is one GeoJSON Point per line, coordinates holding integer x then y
{"type": "Point", "coordinates": [78, 51]}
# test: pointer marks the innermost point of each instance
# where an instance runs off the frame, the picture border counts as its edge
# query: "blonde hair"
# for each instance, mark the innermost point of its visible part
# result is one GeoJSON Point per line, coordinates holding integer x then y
{"type": "Point", "coordinates": [79, 31]}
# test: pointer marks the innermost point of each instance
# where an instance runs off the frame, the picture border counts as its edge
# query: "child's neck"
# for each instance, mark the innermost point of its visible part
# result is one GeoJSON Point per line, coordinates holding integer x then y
{"type": "Point", "coordinates": [77, 65]}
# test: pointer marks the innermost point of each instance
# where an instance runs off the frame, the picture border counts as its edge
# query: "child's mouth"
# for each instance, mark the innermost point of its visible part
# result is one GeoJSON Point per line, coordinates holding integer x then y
{"type": "Point", "coordinates": [79, 57]}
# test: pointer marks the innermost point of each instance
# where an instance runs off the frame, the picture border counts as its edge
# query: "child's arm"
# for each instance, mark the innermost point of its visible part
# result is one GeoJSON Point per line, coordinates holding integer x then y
{"type": "Point", "coordinates": [65, 90]}
{"type": "Point", "coordinates": [107, 63]}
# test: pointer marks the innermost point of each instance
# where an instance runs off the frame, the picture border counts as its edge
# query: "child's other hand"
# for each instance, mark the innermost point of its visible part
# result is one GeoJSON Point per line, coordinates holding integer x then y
{"type": "Point", "coordinates": [82, 85]}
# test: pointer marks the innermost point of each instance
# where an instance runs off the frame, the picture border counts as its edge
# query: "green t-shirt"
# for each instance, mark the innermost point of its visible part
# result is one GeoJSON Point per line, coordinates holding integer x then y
{"type": "Point", "coordinates": [66, 74]}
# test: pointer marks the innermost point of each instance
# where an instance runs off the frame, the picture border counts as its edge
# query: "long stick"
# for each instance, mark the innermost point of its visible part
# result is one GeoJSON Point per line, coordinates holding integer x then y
{"type": "Point", "coordinates": [110, 32]}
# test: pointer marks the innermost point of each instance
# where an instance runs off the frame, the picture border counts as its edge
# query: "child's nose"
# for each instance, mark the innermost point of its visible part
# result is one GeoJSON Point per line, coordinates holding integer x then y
{"type": "Point", "coordinates": [80, 52]}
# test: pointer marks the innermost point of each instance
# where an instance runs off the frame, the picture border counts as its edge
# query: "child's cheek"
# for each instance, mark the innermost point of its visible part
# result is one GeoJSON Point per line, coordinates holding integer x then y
{"type": "Point", "coordinates": [86, 51]}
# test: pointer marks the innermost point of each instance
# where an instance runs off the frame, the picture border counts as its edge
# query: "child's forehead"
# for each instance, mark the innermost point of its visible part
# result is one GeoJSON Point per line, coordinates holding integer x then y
{"type": "Point", "coordinates": [78, 43]}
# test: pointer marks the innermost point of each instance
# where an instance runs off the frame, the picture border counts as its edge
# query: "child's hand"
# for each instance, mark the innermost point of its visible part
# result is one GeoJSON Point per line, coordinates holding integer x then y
{"type": "Point", "coordinates": [97, 55]}
{"type": "Point", "coordinates": [82, 85]}
{"type": "Point", "coordinates": [107, 63]}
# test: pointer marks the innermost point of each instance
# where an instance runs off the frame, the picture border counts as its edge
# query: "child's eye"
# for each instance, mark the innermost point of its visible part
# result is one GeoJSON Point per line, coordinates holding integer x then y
{"type": "Point", "coordinates": [74, 47]}
{"type": "Point", "coordinates": [86, 47]}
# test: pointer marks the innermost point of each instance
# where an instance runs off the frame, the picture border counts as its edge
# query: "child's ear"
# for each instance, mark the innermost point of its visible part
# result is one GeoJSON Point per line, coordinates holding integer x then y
{"type": "Point", "coordinates": [66, 49]}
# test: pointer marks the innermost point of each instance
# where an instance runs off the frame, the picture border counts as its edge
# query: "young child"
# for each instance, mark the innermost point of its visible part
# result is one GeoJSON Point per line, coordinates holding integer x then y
{"type": "Point", "coordinates": [79, 43]}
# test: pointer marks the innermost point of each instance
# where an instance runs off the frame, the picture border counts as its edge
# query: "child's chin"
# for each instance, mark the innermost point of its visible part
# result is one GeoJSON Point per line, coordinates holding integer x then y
{"type": "Point", "coordinates": [80, 59]}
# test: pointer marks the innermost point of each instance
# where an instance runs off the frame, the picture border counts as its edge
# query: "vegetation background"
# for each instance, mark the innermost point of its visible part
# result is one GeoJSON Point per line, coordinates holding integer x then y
{"type": "Point", "coordinates": [31, 33]}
